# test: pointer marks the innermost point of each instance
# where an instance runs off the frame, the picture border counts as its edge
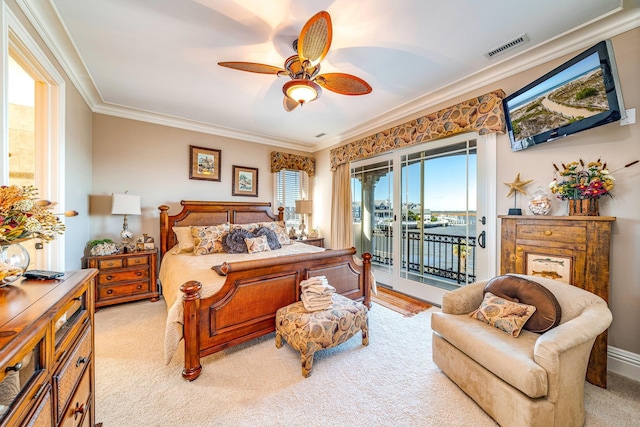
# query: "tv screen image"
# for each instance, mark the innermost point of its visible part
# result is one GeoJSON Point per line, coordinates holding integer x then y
{"type": "Point", "coordinates": [580, 94]}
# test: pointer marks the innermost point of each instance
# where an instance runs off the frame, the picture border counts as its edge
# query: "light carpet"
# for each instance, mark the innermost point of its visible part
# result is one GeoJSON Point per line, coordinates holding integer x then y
{"type": "Point", "coordinates": [392, 382]}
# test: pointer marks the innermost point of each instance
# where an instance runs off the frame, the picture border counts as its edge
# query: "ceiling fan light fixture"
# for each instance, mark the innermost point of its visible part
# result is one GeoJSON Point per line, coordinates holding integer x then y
{"type": "Point", "coordinates": [302, 91]}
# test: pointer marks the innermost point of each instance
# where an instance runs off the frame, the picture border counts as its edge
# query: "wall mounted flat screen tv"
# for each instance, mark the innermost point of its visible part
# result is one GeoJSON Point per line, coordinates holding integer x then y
{"type": "Point", "coordinates": [581, 94]}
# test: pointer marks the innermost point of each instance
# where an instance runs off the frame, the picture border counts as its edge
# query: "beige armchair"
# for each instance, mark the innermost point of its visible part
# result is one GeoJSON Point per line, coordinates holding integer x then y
{"type": "Point", "coordinates": [532, 380]}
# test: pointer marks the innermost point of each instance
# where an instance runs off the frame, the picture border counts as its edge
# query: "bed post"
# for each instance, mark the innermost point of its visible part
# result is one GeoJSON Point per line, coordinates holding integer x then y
{"type": "Point", "coordinates": [191, 330]}
{"type": "Point", "coordinates": [281, 214]}
{"type": "Point", "coordinates": [366, 267]}
{"type": "Point", "coordinates": [164, 229]}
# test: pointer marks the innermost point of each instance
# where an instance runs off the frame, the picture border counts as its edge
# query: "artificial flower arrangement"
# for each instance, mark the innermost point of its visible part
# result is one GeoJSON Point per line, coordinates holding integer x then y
{"type": "Point", "coordinates": [579, 181]}
{"type": "Point", "coordinates": [23, 216]}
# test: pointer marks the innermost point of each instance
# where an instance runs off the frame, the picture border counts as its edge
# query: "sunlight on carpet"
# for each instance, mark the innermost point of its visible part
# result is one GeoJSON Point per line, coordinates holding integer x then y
{"type": "Point", "coordinates": [400, 303]}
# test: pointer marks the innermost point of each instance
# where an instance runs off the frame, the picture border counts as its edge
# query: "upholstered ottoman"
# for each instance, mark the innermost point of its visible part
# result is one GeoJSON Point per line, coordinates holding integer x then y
{"type": "Point", "coordinates": [309, 331]}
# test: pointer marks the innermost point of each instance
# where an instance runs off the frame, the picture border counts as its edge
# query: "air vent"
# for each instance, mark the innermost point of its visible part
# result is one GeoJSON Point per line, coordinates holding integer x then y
{"type": "Point", "coordinates": [320, 135]}
{"type": "Point", "coordinates": [523, 38]}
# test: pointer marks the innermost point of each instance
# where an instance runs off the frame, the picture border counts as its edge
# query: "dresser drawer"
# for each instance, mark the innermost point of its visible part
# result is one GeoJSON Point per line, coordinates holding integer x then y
{"type": "Point", "coordinates": [123, 276]}
{"type": "Point", "coordinates": [77, 412]}
{"type": "Point", "coordinates": [551, 233]}
{"type": "Point", "coordinates": [103, 264]}
{"type": "Point", "coordinates": [70, 372]}
{"type": "Point", "coordinates": [123, 290]}
{"type": "Point", "coordinates": [138, 260]}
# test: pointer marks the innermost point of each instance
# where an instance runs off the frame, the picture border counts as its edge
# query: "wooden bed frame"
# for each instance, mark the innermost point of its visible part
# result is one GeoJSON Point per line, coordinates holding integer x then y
{"type": "Point", "coordinates": [244, 308]}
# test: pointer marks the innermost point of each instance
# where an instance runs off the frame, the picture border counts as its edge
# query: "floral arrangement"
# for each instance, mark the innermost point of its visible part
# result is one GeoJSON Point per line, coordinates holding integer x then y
{"type": "Point", "coordinates": [582, 182]}
{"type": "Point", "coordinates": [23, 216]}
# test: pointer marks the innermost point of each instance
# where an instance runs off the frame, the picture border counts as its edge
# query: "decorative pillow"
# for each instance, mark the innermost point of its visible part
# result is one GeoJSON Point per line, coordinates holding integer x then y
{"type": "Point", "coordinates": [271, 236]}
{"type": "Point", "coordinates": [234, 242]}
{"type": "Point", "coordinates": [208, 239]}
{"type": "Point", "coordinates": [257, 244]}
{"type": "Point", "coordinates": [251, 226]}
{"type": "Point", "coordinates": [519, 289]}
{"type": "Point", "coordinates": [280, 229]}
{"type": "Point", "coordinates": [185, 239]}
{"type": "Point", "coordinates": [508, 316]}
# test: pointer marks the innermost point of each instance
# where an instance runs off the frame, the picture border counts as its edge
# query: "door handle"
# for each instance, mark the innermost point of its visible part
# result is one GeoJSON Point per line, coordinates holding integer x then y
{"type": "Point", "coordinates": [481, 240]}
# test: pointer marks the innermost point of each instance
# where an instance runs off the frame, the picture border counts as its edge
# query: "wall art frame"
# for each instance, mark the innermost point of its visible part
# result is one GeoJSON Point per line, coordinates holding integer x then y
{"type": "Point", "coordinates": [204, 163]}
{"type": "Point", "coordinates": [245, 181]}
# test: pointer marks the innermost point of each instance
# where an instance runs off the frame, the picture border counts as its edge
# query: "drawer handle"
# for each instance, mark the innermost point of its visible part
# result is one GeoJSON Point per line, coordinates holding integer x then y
{"type": "Point", "coordinates": [79, 410]}
{"type": "Point", "coordinates": [109, 277]}
{"type": "Point", "coordinates": [519, 248]}
{"type": "Point", "coordinates": [139, 273]}
{"type": "Point", "coordinates": [139, 287]}
{"type": "Point", "coordinates": [81, 360]}
{"type": "Point", "coordinates": [548, 233]}
{"type": "Point", "coordinates": [109, 291]}
{"type": "Point", "coordinates": [15, 367]}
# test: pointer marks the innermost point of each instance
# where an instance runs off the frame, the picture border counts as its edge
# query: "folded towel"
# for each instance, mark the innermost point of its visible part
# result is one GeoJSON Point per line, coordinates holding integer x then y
{"type": "Point", "coordinates": [317, 303]}
{"type": "Point", "coordinates": [316, 293]}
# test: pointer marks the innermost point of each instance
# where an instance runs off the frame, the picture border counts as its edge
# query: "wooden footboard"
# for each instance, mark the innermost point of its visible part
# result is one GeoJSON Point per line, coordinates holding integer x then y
{"type": "Point", "coordinates": [245, 306]}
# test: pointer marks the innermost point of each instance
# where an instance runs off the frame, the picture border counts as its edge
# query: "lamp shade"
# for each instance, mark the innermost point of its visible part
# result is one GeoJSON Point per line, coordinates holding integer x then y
{"type": "Point", "coordinates": [125, 204]}
{"type": "Point", "coordinates": [302, 91]}
{"type": "Point", "coordinates": [304, 206]}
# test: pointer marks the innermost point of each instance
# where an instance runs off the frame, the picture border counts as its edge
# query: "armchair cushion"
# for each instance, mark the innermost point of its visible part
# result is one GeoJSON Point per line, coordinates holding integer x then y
{"type": "Point", "coordinates": [519, 289]}
{"type": "Point", "coordinates": [508, 316]}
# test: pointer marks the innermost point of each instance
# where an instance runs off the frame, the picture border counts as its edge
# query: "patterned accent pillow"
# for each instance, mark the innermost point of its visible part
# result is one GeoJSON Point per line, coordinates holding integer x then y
{"type": "Point", "coordinates": [257, 244]}
{"type": "Point", "coordinates": [251, 226]}
{"type": "Point", "coordinates": [280, 229]}
{"type": "Point", "coordinates": [508, 316]}
{"type": "Point", "coordinates": [208, 239]}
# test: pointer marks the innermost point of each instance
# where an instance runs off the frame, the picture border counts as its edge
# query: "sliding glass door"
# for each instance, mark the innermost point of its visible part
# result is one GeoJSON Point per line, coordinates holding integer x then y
{"type": "Point", "coordinates": [420, 223]}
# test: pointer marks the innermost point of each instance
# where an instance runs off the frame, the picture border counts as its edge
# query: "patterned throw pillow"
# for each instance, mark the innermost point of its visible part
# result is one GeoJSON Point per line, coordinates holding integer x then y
{"type": "Point", "coordinates": [251, 226]}
{"type": "Point", "coordinates": [257, 244]}
{"type": "Point", "coordinates": [280, 229]}
{"type": "Point", "coordinates": [208, 239]}
{"type": "Point", "coordinates": [505, 315]}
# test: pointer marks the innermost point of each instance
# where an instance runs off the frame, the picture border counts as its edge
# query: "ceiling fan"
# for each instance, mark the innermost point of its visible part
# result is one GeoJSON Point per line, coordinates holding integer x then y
{"type": "Point", "coordinates": [305, 86]}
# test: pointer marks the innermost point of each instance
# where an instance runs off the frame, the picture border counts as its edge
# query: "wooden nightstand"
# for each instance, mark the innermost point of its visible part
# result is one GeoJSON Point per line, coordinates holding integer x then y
{"type": "Point", "coordinates": [125, 277]}
{"type": "Point", "coordinates": [316, 241]}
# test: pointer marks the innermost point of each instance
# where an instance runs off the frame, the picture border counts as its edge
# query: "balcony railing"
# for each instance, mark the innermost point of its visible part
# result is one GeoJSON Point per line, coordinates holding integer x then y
{"type": "Point", "coordinates": [441, 255]}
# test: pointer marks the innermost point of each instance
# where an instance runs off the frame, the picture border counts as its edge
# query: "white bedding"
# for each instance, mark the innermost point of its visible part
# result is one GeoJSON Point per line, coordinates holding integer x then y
{"type": "Point", "coordinates": [176, 269]}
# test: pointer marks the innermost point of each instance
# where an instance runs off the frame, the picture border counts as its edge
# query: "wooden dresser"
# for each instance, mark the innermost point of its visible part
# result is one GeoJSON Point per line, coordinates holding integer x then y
{"type": "Point", "coordinates": [47, 373]}
{"type": "Point", "coordinates": [125, 277]}
{"type": "Point", "coordinates": [572, 249]}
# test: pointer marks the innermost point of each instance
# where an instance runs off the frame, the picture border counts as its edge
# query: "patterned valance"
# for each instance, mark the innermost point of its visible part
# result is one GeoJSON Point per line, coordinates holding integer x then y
{"type": "Point", "coordinates": [281, 161]}
{"type": "Point", "coordinates": [483, 115]}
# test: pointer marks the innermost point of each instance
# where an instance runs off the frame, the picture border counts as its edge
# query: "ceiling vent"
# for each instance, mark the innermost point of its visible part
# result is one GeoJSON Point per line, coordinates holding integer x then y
{"type": "Point", "coordinates": [320, 135]}
{"type": "Point", "coordinates": [521, 39]}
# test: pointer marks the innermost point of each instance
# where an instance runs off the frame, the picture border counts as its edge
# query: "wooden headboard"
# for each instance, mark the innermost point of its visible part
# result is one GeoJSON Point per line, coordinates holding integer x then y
{"type": "Point", "coordinates": [211, 213]}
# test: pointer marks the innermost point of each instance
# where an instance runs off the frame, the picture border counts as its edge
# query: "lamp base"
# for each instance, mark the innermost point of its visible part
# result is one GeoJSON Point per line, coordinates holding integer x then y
{"type": "Point", "coordinates": [515, 211]}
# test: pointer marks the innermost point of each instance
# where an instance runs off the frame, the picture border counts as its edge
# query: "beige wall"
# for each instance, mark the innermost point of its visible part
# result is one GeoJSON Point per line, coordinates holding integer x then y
{"type": "Point", "coordinates": [152, 161]}
{"type": "Point", "coordinates": [615, 144]}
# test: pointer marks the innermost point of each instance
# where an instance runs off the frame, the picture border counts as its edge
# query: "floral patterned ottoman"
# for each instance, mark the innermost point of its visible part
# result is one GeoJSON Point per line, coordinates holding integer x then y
{"type": "Point", "coordinates": [309, 331]}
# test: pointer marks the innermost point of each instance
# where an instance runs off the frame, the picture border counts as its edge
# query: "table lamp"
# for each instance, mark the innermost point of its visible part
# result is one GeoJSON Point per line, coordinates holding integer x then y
{"type": "Point", "coordinates": [304, 207]}
{"type": "Point", "coordinates": [125, 204]}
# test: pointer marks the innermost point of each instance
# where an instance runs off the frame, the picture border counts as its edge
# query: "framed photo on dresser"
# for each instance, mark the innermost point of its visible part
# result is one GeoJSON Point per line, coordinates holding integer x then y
{"type": "Point", "coordinates": [204, 163]}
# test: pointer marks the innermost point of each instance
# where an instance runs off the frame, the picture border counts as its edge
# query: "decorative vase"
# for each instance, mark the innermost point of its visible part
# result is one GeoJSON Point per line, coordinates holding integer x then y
{"type": "Point", "coordinates": [585, 207]}
{"type": "Point", "coordinates": [540, 203]}
{"type": "Point", "coordinates": [14, 261]}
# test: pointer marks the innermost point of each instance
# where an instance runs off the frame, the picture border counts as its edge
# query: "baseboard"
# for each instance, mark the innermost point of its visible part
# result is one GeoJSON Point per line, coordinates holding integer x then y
{"type": "Point", "coordinates": [623, 363]}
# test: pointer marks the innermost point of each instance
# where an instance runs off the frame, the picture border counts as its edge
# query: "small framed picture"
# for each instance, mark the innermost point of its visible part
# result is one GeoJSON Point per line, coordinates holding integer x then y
{"type": "Point", "coordinates": [204, 163]}
{"type": "Point", "coordinates": [549, 266]}
{"type": "Point", "coordinates": [245, 181]}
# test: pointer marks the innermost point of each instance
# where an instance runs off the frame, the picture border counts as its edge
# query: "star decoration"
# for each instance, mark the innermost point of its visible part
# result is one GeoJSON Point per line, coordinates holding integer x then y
{"type": "Point", "coordinates": [517, 186]}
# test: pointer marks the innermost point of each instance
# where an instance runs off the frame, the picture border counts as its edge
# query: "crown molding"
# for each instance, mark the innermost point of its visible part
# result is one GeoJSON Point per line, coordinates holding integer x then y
{"type": "Point", "coordinates": [46, 21]}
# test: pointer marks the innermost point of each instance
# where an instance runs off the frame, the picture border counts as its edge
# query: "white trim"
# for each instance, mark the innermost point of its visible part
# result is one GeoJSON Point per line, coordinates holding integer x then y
{"type": "Point", "coordinates": [623, 363]}
{"type": "Point", "coordinates": [46, 20]}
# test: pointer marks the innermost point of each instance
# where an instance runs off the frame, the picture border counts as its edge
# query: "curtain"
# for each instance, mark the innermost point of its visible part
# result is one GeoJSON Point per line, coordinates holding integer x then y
{"type": "Point", "coordinates": [341, 214]}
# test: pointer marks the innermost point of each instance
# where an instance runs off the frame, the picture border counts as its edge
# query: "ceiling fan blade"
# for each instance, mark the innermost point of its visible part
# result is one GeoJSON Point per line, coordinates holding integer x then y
{"type": "Point", "coordinates": [254, 67]}
{"type": "Point", "coordinates": [344, 84]}
{"type": "Point", "coordinates": [315, 38]}
{"type": "Point", "coordinates": [289, 104]}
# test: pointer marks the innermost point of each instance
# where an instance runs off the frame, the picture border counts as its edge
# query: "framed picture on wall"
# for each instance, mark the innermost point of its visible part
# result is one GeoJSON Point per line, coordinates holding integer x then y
{"type": "Point", "coordinates": [549, 266]}
{"type": "Point", "coordinates": [204, 163]}
{"type": "Point", "coordinates": [245, 181]}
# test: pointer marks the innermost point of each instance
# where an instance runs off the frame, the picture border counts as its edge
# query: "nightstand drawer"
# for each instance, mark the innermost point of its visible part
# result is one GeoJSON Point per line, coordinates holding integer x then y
{"type": "Point", "coordinates": [114, 291]}
{"type": "Point", "coordinates": [110, 263]}
{"type": "Point", "coordinates": [138, 260]}
{"type": "Point", "coordinates": [123, 275]}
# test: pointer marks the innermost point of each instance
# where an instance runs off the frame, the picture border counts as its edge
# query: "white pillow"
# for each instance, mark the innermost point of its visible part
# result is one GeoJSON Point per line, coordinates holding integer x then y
{"type": "Point", "coordinates": [185, 239]}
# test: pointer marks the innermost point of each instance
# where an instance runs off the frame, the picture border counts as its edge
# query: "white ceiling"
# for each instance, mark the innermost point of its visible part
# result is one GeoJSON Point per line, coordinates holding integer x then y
{"type": "Point", "coordinates": [156, 60]}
